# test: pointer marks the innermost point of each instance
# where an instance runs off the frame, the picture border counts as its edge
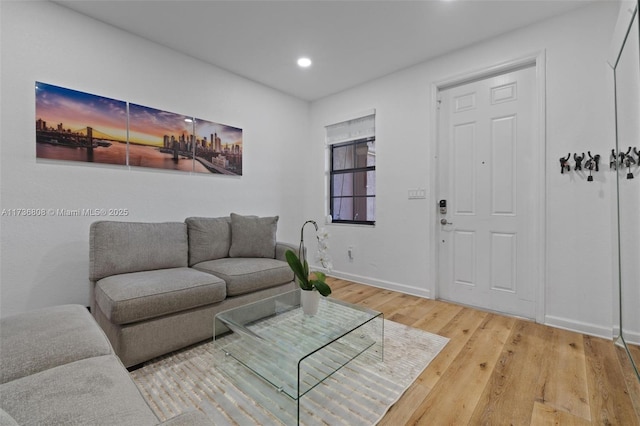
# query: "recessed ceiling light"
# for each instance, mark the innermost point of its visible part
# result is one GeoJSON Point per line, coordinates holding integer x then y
{"type": "Point", "coordinates": [304, 62]}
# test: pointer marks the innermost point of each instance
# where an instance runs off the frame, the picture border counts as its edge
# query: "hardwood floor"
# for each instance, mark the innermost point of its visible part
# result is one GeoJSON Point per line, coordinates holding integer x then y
{"type": "Point", "coordinates": [500, 370]}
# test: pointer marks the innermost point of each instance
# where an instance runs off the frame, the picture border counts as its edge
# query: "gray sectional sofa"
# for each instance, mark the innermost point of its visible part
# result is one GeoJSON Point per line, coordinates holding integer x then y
{"type": "Point", "coordinates": [156, 287]}
{"type": "Point", "coordinates": [58, 368]}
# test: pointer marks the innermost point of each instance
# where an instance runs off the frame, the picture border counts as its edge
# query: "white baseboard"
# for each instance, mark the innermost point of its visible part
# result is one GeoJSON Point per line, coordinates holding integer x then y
{"type": "Point", "coordinates": [579, 326]}
{"type": "Point", "coordinates": [387, 285]}
{"type": "Point", "coordinates": [550, 320]}
{"type": "Point", "coordinates": [632, 337]}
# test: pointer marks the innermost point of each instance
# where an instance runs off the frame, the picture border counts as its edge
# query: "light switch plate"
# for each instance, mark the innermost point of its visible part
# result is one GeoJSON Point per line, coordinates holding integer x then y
{"type": "Point", "coordinates": [417, 194]}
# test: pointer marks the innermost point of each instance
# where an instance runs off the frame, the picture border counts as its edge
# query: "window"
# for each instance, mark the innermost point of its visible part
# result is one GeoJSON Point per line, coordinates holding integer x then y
{"type": "Point", "coordinates": [352, 171]}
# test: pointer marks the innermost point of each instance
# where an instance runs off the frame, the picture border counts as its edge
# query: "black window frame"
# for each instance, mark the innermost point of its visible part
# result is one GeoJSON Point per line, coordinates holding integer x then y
{"type": "Point", "coordinates": [351, 171]}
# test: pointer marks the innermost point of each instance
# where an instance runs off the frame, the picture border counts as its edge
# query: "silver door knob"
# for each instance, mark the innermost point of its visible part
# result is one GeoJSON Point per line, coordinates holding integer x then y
{"type": "Point", "coordinates": [444, 222]}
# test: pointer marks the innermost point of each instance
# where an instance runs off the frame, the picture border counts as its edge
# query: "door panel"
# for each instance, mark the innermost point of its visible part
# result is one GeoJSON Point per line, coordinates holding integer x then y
{"type": "Point", "coordinates": [465, 249]}
{"type": "Point", "coordinates": [503, 164]}
{"type": "Point", "coordinates": [503, 261]}
{"type": "Point", "coordinates": [464, 146]}
{"type": "Point", "coordinates": [486, 161]}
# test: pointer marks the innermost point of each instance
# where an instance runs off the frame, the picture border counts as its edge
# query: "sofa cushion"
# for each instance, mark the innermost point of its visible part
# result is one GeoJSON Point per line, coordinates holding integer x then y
{"type": "Point", "coordinates": [244, 275]}
{"type": "Point", "coordinates": [123, 247]}
{"type": "Point", "coordinates": [138, 296]}
{"type": "Point", "coordinates": [6, 419]}
{"type": "Point", "coordinates": [35, 341]}
{"type": "Point", "coordinates": [93, 391]}
{"type": "Point", "coordinates": [253, 236]}
{"type": "Point", "coordinates": [209, 238]}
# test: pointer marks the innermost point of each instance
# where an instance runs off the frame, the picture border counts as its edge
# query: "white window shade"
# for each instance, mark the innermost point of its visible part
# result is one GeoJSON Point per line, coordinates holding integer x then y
{"type": "Point", "coordinates": [357, 128]}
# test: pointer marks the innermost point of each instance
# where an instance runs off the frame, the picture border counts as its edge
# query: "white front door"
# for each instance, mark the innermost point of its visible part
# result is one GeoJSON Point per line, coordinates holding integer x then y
{"type": "Point", "coordinates": [487, 171]}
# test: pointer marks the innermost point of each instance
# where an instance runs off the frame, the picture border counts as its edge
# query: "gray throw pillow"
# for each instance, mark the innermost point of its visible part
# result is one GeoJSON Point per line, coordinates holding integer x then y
{"type": "Point", "coordinates": [253, 236]}
{"type": "Point", "coordinates": [209, 238]}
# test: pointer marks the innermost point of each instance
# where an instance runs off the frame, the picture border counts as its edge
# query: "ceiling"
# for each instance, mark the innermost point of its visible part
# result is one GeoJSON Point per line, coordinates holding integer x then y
{"type": "Point", "coordinates": [349, 42]}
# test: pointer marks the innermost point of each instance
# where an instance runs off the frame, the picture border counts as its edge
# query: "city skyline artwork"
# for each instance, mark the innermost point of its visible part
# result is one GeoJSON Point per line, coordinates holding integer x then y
{"type": "Point", "coordinates": [78, 126]}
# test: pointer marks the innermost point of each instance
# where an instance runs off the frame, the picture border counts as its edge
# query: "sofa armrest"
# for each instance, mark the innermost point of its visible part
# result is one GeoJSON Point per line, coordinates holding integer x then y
{"type": "Point", "coordinates": [188, 418]}
{"type": "Point", "coordinates": [281, 249]}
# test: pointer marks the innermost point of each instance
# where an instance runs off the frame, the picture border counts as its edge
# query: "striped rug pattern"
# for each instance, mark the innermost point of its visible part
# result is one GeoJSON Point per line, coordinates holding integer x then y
{"type": "Point", "coordinates": [228, 393]}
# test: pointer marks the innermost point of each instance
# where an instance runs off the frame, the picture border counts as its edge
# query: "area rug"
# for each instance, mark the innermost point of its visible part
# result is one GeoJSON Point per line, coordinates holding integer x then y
{"type": "Point", "coordinates": [360, 393]}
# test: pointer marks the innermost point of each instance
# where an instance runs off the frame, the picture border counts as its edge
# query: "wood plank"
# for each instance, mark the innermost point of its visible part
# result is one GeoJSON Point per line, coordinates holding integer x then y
{"type": "Point", "coordinates": [380, 298]}
{"type": "Point", "coordinates": [609, 402]}
{"type": "Point", "coordinates": [456, 394]}
{"type": "Point", "coordinates": [546, 415]}
{"type": "Point", "coordinates": [580, 377]}
{"type": "Point", "coordinates": [459, 331]}
{"type": "Point", "coordinates": [438, 317]}
{"type": "Point", "coordinates": [630, 376]}
{"type": "Point", "coordinates": [409, 306]}
{"type": "Point", "coordinates": [341, 287]}
{"type": "Point", "coordinates": [509, 395]}
{"type": "Point", "coordinates": [635, 353]}
{"type": "Point", "coordinates": [358, 293]}
{"type": "Point", "coordinates": [563, 383]}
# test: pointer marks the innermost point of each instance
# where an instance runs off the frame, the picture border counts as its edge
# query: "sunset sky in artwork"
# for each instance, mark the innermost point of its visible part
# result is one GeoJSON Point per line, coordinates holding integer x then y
{"type": "Point", "coordinates": [78, 110]}
{"type": "Point", "coordinates": [148, 126]}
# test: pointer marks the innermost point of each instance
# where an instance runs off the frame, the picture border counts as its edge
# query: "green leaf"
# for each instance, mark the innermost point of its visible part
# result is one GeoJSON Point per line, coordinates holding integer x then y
{"type": "Point", "coordinates": [320, 276]}
{"type": "Point", "coordinates": [298, 270]}
{"type": "Point", "coordinates": [306, 268]}
{"type": "Point", "coordinates": [322, 287]}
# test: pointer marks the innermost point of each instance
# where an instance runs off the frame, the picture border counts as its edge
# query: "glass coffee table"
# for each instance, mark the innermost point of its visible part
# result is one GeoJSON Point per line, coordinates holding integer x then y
{"type": "Point", "coordinates": [295, 352]}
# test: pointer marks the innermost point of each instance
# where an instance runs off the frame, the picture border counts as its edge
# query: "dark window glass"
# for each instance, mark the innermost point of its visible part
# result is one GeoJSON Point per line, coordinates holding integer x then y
{"type": "Point", "coordinates": [353, 185]}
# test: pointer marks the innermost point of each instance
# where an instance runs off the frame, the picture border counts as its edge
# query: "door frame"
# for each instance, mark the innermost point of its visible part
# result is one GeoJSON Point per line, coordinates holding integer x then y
{"type": "Point", "coordinates": [537, 60]}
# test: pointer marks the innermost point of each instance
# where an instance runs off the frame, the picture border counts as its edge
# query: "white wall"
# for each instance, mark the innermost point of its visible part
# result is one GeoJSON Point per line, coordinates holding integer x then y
{"type": "Point", "coordinates": [399, 252]}
{"type": "Point", "coordinates": [44, 260]}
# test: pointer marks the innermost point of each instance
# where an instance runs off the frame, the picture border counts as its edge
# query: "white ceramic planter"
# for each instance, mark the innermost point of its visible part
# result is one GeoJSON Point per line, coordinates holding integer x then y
{"type": "Point", "coordinates": [310, 300]}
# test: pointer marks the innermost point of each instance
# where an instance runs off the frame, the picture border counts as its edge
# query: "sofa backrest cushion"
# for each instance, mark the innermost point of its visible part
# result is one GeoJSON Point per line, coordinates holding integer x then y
{"type": "Point", "coordinates": [123, 247]}
{"type": "Point", "coordinates": [253, 236]}
{"type": "Point", "coordinates": [209, 238]}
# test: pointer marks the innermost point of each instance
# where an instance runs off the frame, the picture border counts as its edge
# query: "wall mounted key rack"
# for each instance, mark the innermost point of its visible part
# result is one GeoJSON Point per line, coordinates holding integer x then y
{"type": "Point", "coordinates": [628, 161]}
{"type": "Point", "coordinates": [592, 164]}
{"type": "Point", "coordinates": [625, 160]}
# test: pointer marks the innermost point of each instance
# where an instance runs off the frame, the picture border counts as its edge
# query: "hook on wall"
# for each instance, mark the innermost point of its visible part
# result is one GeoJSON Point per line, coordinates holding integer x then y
{"type": "Point", "coordinates": [620, 160]}
{"type": "Point", "coordinates": [578, 161]}
{"type": "Point", "coordinates": [629, 160]}
{"type": "Point", "coordinates": [622, 155]}
{"type": "Point", "coordinates": [613, 160]}
{"type": "Point", "coordinates": [591, 164]}
{"type": "Point", "coordinates": [564, 163]}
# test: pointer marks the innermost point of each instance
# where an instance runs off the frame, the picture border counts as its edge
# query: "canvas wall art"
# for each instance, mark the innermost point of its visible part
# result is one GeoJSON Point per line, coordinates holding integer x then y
{"type": "Point", "coordinates": [78, 126]}
{"type": "Point", "coordinates": [160, 139]}
{"type": "Point", "coordinates": [218, 147]}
